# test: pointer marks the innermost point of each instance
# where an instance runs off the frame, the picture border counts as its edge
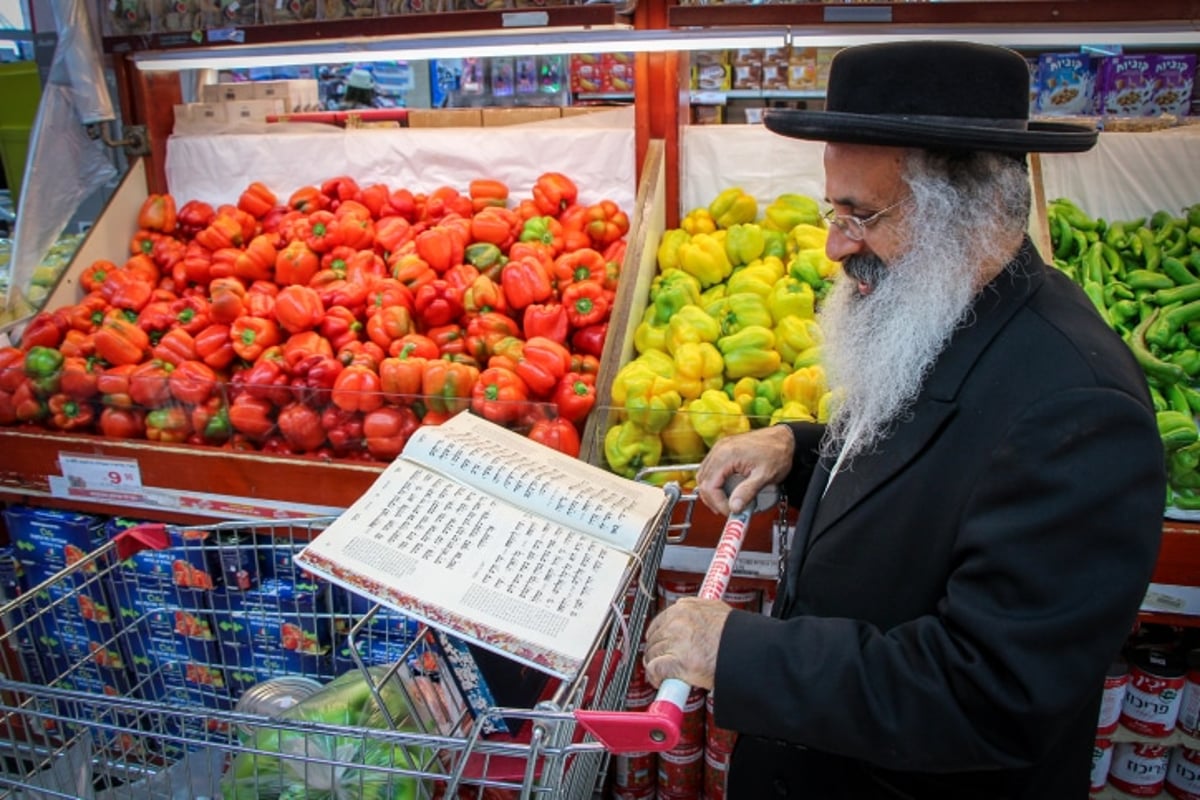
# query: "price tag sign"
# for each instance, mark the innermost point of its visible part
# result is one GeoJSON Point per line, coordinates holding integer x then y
{"type": "Point", "coordinates": [101, 475]}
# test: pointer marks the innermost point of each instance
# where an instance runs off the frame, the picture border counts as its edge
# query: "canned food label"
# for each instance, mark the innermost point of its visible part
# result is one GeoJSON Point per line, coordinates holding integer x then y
{"type": "Point", "coordinates": [681, 772]}
{"type": "Point", "coordinates": [750, 600]}
{"type": "Point", "coordinates": [1138, 769]}
{"type": "Point", "coordinates": [716, 768]}
{"type": "Point", "coordinates": [1183, 774]}
{"type": "Point", "coordinates": [1189, 705]}
{"type": "Point", "coordinates": [635, 773]}
{"type": "Point", "coordinates": [1151, 703]}
{"type": "Point", "coordinates": [1101, 761]}
{"type": "Point", "coordinates": [1110, 703]}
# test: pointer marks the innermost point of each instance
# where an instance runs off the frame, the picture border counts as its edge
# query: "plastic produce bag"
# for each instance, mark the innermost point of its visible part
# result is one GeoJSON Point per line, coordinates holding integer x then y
{"type": "Point", "coordinates": [64, 166]}
{"type": "Point", "coordinates": [322, 766]}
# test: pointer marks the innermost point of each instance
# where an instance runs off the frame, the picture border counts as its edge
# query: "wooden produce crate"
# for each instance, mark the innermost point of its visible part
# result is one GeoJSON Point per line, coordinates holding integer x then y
{"type": "Point", "coordinates": [183, 481]}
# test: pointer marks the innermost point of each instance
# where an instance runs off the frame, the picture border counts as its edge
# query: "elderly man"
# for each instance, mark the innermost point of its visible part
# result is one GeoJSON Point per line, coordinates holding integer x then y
{"type": "Point", "coordinates": [980, 517]}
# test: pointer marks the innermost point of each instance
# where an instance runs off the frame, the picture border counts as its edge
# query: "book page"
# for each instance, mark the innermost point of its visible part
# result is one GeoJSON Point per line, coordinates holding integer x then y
{"type": "Point", "coordinates": [576, 494]}
{"type": "Point", "coordinates": [461, 560]}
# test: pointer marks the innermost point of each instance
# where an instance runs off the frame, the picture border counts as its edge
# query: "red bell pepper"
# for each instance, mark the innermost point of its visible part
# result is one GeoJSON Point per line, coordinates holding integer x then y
{"type": "Point", "coordinates": [544, 230]}
{"type": "Point", "coordinates": [410, 269]}
{"type": "Point", "coordinates": [339, 189]}
{"type": "Point", "coordinates": [496, 226]}
{"type": "Point", "coordinates": [196, 267]}
{"type": "Point", "coordinates": [257, 200]}
{"type": "Point", "coordinates": [94, 274]}
{"type": "Point", "coordinates": [606, 223]}
{"type": "Point", "coordinates": [171, 424]}
{"type": "Point", "coordinates": [461, 276]}
{"type": "Point", "coordinates": [437, 303]}
{"type": "Point", "coordinates": [322, 231]}
{"type": "Point", "coordinates": [193, 217]}
{"type": "Point", "coordinates": [449, 338]}
{"type": "Point", "coordinates": [78, 344]}
{"type": "Point", "coordinates": [252, 417]}
{"type": "Point", "coordinates": [260, 300]}
{"type": "Point", "coordinates": [12, 368]}
{"type": "Point", "coordinates": [386, 292]}
{"type": "Point", "coordinates": [67, 413]}
{"type": "Point", "coordinates": [499, 395]}
{"type": "Point", "coordinates": [120, 341]}
{"type": "Point", "coordinates": [358, 230]}
{"type": "Point", "coordinates": [548, 320]}
{"type": "Point", "coordinates": [149, 383]}
{"type": "Point", "coordinates": [157, 213]}
{"type": "Point", "coordinates": [400, 379]}
{"type": "Point", "coordinates": [302, 345]}
{"type": "Point", "coordinates": [227, 300]}
{"type": "Point", "coordinates": [296, 263]}
{"type": "Point", "coordinates": [366, 267]}
{"type": "Point", "coordinates": [192, 313]}
{"type": "Point", "coordinates": [575, 396]}
{"type": "Point", "coordinates": [88, 314]}
{"type": "Point", "coordinates": [301, 427]}
{"type": "Point", "coordinates": [361, 354]}
{"type": "Point", "coordinates": [525, 281]}
{"type": "Point", "coordinates": [587, 303]}
{"type": "Point", "coordinates": [443, 201]}
{"type": "Point", "coordinates": [403, 203]}
{"type": "Point", "coordinates": [554, 192]}
{"type": "Point", "coordinates": [337, 291]}
{"type": "Point", "coordinates": [487, 193]}
{"type": "Point", "coordinates": [46, 328]}
{"type": "Point", "coordinates": [542, 365]}
{"type": "Point", "coordinates": [155, 319]}
{"type": "Point", "coordinates": [113, 385]}
{"type": "Point", "coordinates": [257, 261]}
{"type": "Point", "coordinates": [224, 231]}
{"type": "Point", "coordinates": [122, 423]}
{"type": "Point", "coordinates": [299, 308]}
{"type": "Point", "coordinates": [125, 288]}
{"type": "Point", "coordinates": [267, 378]}
{"type": "Point", "coordinates": [337, 258]}
{"type": "Point", "coordinates": [344, 430]}
{"type": "Point", "coordinates": [175, 347]}
{"type": "Point", "coordinates": [375, 198]}
{"type": "Point", "coordinates": [414, 345]}
{"type": "Point", "coordinates": [214, 346]}
{"type": "Point", "coordinates": [340, 327]}
{"type": "Point", "coordinates": [447, 385]}
{"type": "Point", "coordinates": [80, 378]}
{"type": "Point", "coordinates": [252, 335]}
{"type": "Point", "coordinates": [484, 295]}
{"type": "Point", "coordinates": [307, 199]}
{"type": "Point", "coordinates": [388, 325]}
{"type": "Point", "coordinates": [590, 339]}
{"type": "Point", "coordinates": [579, 265]}
{"type": "Point", "coordinates": [168, 251]}
{"type": "Point", "coordinates": [357, 389]}
{"type": "Point", "coordinates": [558, 434]}
{"type": "Point", "coordinates": [441, 247]}
{"type": "Point", "coordinates": [484, 330]}
{"type": "Point", "coordinates": [313, 379]}
{"type": "Point", "coordinates": [387, 430]}
{"type": "Point", "coordinates": [391, 232]}
{"type": "Point", "coordinates": [210, 422]}
{"type": "Point", "coordinates": [192, 382]}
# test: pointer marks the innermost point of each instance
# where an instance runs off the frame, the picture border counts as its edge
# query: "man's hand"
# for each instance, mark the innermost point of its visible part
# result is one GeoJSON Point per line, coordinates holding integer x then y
{"type": "Point", "coordinates": [763, 457]}
{"type": "Point", "coordinates": [681, 642]}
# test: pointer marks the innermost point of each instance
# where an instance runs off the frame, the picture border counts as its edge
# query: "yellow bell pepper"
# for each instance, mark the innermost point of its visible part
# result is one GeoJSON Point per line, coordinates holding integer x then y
{"type": "Point", "coordinates": [714, 415]}
{"type": "Point", "coordinates": [691, 324]}
{"type": "Point", "coordinates": [750, 351]}
{"type": "Point", "coordinates": [668, 248]}
{"type": "Point", "coordinates": [824, 406]}
{"type": "Point", "coordinates": [648, 336]}
{"type": "Point", "coordinates": [628, 447]}
{"type": "Point", "coordinates": [698, 220]}
{"type": "Point", "coordinates": [795, 335]}
{"type": "Point", "coordinates": [704, 259]}
{"type": "Point", "coordinates": [681, 444]}
{"type": "Point", "coordinates": [744, 243]}
{"type": "Point", "coordinates": [807, 358]}
{"type": "Point", "coordinates": [737, 311]}
{"type": "Point", "coordinates": [805, 385]}
{"type": "Point", "coordinates": [671, 291]}
{"type": "Point", "coordinates": [790, 297]}
{"type": "Point", "coordinates": [792, 411]}
{"type": "Point", "coordinates": [698, 367]}
{"type": "Point", "coordinates": [807, 237]}
{"type": "Point", "coordinates": [758, 278]}
{"type": "Point", "coordinates": [712, 294]}
{"type": "Point", "coordinates": [649, 398]}
{"type": "Point", "coordinates": [732, 207]}
{"type": "Point", "coordinates": [789, 210]}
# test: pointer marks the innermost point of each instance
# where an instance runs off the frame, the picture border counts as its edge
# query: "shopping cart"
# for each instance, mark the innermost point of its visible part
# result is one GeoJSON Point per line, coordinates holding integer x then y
{"type": "Point", "coordinates": [122, 674]}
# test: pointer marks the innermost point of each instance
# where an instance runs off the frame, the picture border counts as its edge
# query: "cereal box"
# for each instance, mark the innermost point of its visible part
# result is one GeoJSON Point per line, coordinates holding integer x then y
{"type": "Point", "coordinates": [1124, 85]}
{"type": "Point", "coordinates": [1174, 76]}
{"type": "Point", "coordinates": [1066, 83]}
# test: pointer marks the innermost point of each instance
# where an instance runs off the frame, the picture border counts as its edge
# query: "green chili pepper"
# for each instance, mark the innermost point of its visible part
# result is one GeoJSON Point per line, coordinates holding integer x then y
{"type": "Point", "coordinates": [1161, 371]}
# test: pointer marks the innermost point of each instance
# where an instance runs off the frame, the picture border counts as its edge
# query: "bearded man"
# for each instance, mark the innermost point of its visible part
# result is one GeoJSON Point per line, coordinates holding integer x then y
{"type": "Point", "coordinates": [980, 517]}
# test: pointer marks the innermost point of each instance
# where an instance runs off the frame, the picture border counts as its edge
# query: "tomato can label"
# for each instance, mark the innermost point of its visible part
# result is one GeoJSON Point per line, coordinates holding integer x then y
{"type": "Point", "coordinates": [671, 589]}
{"type": "Point", "coordinates": [1189, 705]}
{"type": "Point", "coordinates": [749, 600]}
{"type": "Point", "coordinates": [640, 699]}
{"type": "Point", "coordinates": [625, 794]}
{"type": "Point", "coordinates": [1101, 761]}
{"type": "Point", "coordinates": [716, 768]}
{"type": "Point", "coordinates": [717, 739]}
{"type": "Point", "coordinates": [1183, 774]}
{"type": "Point", "coordinates": [1152, 699]}
{"type": "Point", "coordinates": [681, 772]}
{"type": "Point", "coordinates": [635, 774]}
{"type": "Point", "coordinates": [1138, 769]}
{"type": "Point", "coordinates": [691, 727]}
{"type": "Point", "coordinates": [1115, 683]}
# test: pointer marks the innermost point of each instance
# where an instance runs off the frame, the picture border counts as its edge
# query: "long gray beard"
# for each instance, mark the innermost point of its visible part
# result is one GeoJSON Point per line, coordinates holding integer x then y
{"type": "Point", "coordinates": [879, 348]}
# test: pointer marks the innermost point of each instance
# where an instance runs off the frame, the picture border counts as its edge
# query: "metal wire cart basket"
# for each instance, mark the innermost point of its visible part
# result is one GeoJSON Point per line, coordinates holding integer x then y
{"type": "Point", "coordinates": [181, 673]}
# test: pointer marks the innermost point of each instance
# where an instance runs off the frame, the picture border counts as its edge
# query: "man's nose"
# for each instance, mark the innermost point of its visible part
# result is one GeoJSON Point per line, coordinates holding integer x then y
{"type": "Point", "coordinates": [838, 245]}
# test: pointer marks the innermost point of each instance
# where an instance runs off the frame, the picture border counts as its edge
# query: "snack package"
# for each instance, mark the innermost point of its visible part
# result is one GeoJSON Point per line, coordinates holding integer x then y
{"type": "Point", "coordinates": [127, 16]}
{"type": "Point", "coordinates": [179, 15]}
{"type": "Point", "coordinates": [1066, 83]}
{"type": "Point", "coordinates": [1174, 76]}
{"type": "Point", "coordinates": [275, 12]}
{"type": "Point", "coordinates": [1124, 85]}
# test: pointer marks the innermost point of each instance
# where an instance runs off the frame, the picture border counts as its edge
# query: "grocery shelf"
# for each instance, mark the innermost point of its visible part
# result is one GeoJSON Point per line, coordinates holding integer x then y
{"type": "Point", "coordinates": [719, 97]}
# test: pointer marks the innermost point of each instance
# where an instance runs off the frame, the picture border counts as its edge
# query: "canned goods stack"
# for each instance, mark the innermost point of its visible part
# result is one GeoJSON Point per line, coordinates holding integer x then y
{"type": "Point", "coordinates": [718, 745]}
{"type": "Point", "coordinates": [635, 775]}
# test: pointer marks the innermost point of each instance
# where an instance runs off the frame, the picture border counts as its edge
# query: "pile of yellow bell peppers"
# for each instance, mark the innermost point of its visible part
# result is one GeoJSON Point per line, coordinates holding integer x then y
{"type": "Point", "coordinates": [729, 340]}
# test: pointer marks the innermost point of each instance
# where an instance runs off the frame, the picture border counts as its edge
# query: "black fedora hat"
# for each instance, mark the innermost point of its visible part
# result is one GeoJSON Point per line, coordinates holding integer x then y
{"type": "Point", "coordinates": [931, 94]}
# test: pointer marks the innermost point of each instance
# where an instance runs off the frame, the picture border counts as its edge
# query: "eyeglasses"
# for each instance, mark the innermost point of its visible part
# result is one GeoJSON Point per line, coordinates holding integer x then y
{"type": "Point", "coordinates": [853, 227]}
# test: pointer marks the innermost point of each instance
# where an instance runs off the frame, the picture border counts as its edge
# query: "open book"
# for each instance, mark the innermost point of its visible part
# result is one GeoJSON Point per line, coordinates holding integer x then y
{"type": "Point", "coordinates": [504, 542]}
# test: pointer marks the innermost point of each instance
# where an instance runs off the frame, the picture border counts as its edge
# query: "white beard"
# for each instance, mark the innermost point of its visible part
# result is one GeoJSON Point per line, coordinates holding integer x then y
{"type": "Point", "coordinates": [880, 347]}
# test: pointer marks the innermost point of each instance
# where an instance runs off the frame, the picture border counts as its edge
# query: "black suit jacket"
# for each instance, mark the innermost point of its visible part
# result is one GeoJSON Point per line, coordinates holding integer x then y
{"type": "Point", "coordinates": [951, 604]}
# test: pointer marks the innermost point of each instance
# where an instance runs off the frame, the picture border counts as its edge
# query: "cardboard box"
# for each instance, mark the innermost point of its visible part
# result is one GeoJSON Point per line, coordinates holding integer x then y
{"type": "Point", "coordinates": [493, 117]}
{"type": "Point", "coordinates": [253, 111]}
{"type": "Point", "coordinates": [445, 118]}
{"type": "Point", "coordinates": [579, 111]}
{"type": "Point", "coordinates": [226, 92]}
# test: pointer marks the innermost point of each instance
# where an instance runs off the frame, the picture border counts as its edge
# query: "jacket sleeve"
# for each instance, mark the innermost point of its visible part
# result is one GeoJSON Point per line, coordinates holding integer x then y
{"type": "Point", "coordinates": [1051, 559]}
{"type": "Point", "coordinates": [804, 461]}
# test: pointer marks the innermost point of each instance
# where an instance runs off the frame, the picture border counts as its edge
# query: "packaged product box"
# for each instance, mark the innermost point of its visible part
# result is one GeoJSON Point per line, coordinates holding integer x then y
{"type": "Point", "coordinates": [802, 69]}
{"type": "Point", "coordinates": [47, 540]}
{"type": "Point", "coordinates": [824, 59]}
{"type": "Point", "coordinates": [585, 73]}
{"type": "Point", "coordinates": [708, 115]}
{"type": "Point", "coordinates": [253, 112]}
{"type": "Point", "coordinates": [281, 12]}
{"type": "Point", "coordinates": [1032, 63]}
{"type": "Point", "coordinates": [712, 77]}
{"type": "Point", "coordinates": [774, 76]}
{"type": "Point", "coordinates": [123, 17]}
{"type": "Point", "coordinates": [616, 73]}
{"type": "Point", "coordinates": [346, 9]}
{"type": "Point", "coordinates": [1066, 84]}
{"type": "Point", "coordinates": [232, 13]}
{"type": "Point", "coordinates": [179, 15]}
{"type": "Point", "coordinates": [747, 75]}
{"type": "Point", "coordinates": [700, 58]}
{"type": "Point", "coordinates": [445, 118]}
{"type": "Point", "coordinates": [1124, 85]}
{"type": "Point", "coordinates": [1174, 80]}
{"type": "Point", "coordinates": [228, 92]}
{"type": "Point", "coordinates": [747, 55]}
{"type": "Point", "coordinates": [290, 621]}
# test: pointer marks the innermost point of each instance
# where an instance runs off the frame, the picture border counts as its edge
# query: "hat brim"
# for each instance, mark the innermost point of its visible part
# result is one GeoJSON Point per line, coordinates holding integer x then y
{"type": "Point", "coordinates": [892, 131]}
